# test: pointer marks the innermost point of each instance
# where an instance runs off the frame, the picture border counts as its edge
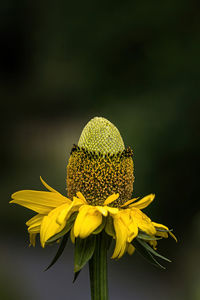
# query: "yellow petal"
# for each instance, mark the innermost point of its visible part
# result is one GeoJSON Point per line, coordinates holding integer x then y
{"type": "Point", "coordinates": [103, 210]}
{"type": "Point", "coordinates": [112, 210]}
{"type": "Point", "coordinates": [66, 213]}
{"type": "Point", "coordinates": [121, 238]}
{"type": "Point", "coordinates": [80, 196]}
{"type": "Point", "coordinates": [49, 226]}
{"type": "Point", "coordinates": [144, 202]}
{"type": "Point", "coordinates": [48, 187]}
{"type": "Point", "coordinates": [34, 227]}
{"type": "Point", "coordinates": [39, 201]}
{"type": "Point", "coordinates": [36, 220]}
{"type": "Point", "coordinates": [88, 219]}
{"type": "Point", "coordinates": [32, 237]}
{"type": "Point", "coordinates": [163, 234]}
{"type": "Point", "coordinates": [172, 235]}
{"type": "Point", "coordinates": [129, 223]}
{"type": "Point", "coordinates": [72, 236]}
{"type": "Point", "coordinates": [130, 249]}
{"type": "Point", "coordinates": [160, 226]}
{"type": "Point", "coordinates": [153, 244]}
{"type": "Point", "coordinates": [129, 202]}
{"type": "Point", "coordinates": [111, 198]}
{"type": "Point", "coordinates": [142, 221]}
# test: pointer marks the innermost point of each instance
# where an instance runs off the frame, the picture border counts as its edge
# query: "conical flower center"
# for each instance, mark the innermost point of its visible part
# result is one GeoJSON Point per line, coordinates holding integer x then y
{"type": "Point", "coordinates": [100, 166]}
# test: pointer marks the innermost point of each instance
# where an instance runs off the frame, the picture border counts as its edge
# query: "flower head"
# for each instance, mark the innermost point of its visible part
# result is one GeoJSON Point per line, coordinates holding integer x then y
{"type": "Point", "coordinates": [99, 196]}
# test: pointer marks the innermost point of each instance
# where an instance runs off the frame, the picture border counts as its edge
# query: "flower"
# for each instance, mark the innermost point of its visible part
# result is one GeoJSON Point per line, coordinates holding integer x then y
{"type": "Point", "coordinates": [99, 189]}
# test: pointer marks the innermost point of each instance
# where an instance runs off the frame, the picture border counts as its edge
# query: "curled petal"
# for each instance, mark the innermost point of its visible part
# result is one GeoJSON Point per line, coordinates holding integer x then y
{"type": "Point", "coordinates": [130, 249]}
{"type": "Point", "coordinates": [66, 213]}
{"type": "Point", "coordinates": [163, 233]}
{"type": "Point", "coordinates": [144, 202]}
{"type": "Point", "coordinates": [49, 226]}
{"type": "Point", "coordinates": [111, 198]}
{"type": "Point", "coordinates": [103, 210]}
{"type": "Point", "coordinates": [87, 220]}
{"type": "Point", "coordinates": [80, 196]}
{"type": "Point", "coordinates": [142, 221]}
{"type": "Point", "coordinates": [112, 210]}
{"type": "Point", "coordinates": [72, 236]}
{"type": "Point", "coordinates": [35, 221]}
{"type": "Point", "coordinates": [129, 202]}
{"type": "Point", "coordinates": [32, 238]}
{"type": "Point", "coordinates": [121, 238]}
{"type": "Point", "coordinates": [39, 201]}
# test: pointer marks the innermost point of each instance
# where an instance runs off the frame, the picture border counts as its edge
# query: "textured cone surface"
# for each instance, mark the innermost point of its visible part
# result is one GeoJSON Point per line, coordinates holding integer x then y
{"type": "Point", "coordinates": [100, 166]}
{"type": "Point", "coordinates": [98, 176]}
{"type": "Point", "coordinates": [100, 135]}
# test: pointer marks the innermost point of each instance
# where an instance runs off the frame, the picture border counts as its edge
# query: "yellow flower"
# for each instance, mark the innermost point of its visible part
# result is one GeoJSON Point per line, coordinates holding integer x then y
{"type": "Point", "coordinates": [55, 209]}
{"type": "Point", "coordinates": [99, 188]}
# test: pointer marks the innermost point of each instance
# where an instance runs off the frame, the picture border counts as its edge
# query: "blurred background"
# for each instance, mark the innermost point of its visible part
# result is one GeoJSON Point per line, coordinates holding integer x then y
{"type": "Point", "coordinates": [135, 63]}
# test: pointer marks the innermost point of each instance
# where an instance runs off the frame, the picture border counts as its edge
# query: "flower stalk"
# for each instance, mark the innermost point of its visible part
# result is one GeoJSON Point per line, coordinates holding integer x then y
{"type": "Point", "coordinates": [98, 269]}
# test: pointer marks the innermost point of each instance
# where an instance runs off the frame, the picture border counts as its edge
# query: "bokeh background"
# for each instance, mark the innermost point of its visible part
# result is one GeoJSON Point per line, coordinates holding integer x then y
{"type": "Point", "coordinates": [135, 63]}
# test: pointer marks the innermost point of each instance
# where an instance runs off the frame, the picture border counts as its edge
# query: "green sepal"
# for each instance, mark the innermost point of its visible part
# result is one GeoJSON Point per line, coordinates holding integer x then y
{"type": "Point", "coordinates": [145, 236]}
{"type": "Point", "coordinates": [163, 230]}
{"type": "Point", "coordinates": [84, 249]}
{"type": "Point", "coordinates": [108, 240]}
{"type": "Point", "coordinates": [60, 250]}
{"type": "Point", "coordinates": [150, 249]}
{"type": "Point", "coordinates": [66, 229]}
{"type": "Point", "coordinates": [101, 227]}
{"type": "Point", "coordinates": [76, 276]}
{"type": "Point", "coordinates": [109, 228]}
{"type": "Point", "coordinates": [146, 254]}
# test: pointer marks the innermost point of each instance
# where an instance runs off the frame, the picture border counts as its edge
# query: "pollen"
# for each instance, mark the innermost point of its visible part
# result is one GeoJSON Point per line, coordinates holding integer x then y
{"type": "Point", "coordinates": [97, 176]}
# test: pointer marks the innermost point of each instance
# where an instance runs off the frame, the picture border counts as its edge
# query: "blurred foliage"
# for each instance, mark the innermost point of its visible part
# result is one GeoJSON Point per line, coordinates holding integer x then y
{"type": "Point", "coordinates": [134, 62]}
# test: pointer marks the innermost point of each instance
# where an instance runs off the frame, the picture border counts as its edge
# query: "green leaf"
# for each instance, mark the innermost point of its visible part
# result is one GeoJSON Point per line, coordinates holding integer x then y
{"type": "Point", "coordinates": [146, 254]}
{"type": "Point", "coordinates": [101, 227]}
{"type": "Point", "coordinates": [150, 249]}
{"type": "Point", "coordinates": [67, 227]}
{"type": "Point", "coordinates": [84, 249]}
{"type": "Point", "coordinates": [76, 276]}
{"type": "Point", "coordinates": [60, 251]}
{"type": "Point", "coordinates": [145, 236]}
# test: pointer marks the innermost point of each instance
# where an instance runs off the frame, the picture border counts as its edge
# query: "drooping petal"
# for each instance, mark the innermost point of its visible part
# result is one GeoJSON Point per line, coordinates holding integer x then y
{"type": "Point", "coordinates": [32, 238]}
{"type": "Point", "coordinates": [66, 213]}
{"type": "Point", "coordinates": [129, 202]}
{"type": "Point", "coordinates": [80, 196]}
{"type": "Point", "coordinates": [48, 187]}
{"type": "Point", "coordinates": [121, 237]}
{"type": "Point", "coordinates": [35, 221]}
{"type": "Point", "coordinates": [39, 201]}
{"type": "Point", "coordinates": [72, 236]}
{"type": "Point", "coordinates": [112, 210]}
{"type": "Point", "coordinates": [144, 202]}
{"type": "Point", "coordinates": [34, 227]}
{"type": "Point", "coordinates": [111, 198]}
{"type": "Point", "coordinates": [130, 249]}
{"type": "Point", "coordinates": [143, 222]}
{"type": "Point", "coordinates": [161, 233]}
{"type": "Point", "coordinates": [49, 226]}
{"type": "Point", "coordinates": [153, 244]}
{"type": "Point", "coordinates": [103, 210]}
{"type": "Point", "coordinates": [129, 223]}
{"type": "Point", "coordinates": [88, 219]}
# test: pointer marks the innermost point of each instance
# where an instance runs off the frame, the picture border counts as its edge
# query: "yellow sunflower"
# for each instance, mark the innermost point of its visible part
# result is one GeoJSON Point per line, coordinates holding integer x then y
{"type": "Point", "coordinates": [99, 196]}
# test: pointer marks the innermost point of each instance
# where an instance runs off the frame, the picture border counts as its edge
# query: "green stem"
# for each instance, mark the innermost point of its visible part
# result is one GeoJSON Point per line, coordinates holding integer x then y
{"type": "Point", "coordinates": [98, 269]}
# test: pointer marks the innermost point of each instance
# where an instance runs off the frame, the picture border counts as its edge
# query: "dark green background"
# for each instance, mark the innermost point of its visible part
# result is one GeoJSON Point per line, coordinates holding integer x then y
{"type": "Point", "coordinates": [135, 63]}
